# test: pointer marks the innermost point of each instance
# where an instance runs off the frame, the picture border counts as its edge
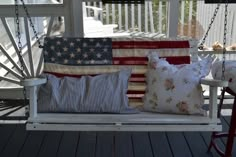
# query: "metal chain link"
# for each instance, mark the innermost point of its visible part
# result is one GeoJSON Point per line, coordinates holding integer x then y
{"type": "Point", "coordinates": [31, 24]}
{"type": "Point", "coordinates": [224, 39]}
{"type": "Point", "coordinates": [209, 27]}
{"type": "Point", "coordinates": [19, 51]}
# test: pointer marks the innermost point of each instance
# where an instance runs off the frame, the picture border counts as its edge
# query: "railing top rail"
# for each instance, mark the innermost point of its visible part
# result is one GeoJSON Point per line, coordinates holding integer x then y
{"type": "Point", "coordinates": [36, 10]}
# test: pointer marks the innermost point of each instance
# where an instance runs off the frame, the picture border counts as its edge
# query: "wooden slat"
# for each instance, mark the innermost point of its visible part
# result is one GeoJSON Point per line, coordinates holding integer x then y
{"type": "Point", "coordinates": [10, 35]}
{"type": "Point", "coordinates": [6, 132]}
{"type": "Point", "coordinates": [14, 73]}
{"type": "Point", "coordinates": [160, 144]}
{"type": "Point", "coordinates": [87, 144]}
{"type": "Point", "coordinates": [196, 144]}
{"type": "Point", "coordinates": [178, 146]}
{"type": "Point", "coordinates": [28, 42]}
{"type": "Point", "coordinates": [10, 59]}
{"type": "Point", "coordinates": [32, 144]}
{"type": "Point", "coordinates": [14, 145]}
{"type": "Point", "coordinates": [50, 145]}
{"type": "Point", "coordinates": [68, 144]}
{"type": "Point", "coordinates": [135, 128]}
{"type": "Point", "coordinates": [141, 118]}
{"type": "Point", "coordinates": [141, 145]}
{"type": "Point", "coordinates": [123, 144]}
{"type": "Point", "coordinates": [10, 80]}
{"type": "Point", "coordinates": [105, 145]}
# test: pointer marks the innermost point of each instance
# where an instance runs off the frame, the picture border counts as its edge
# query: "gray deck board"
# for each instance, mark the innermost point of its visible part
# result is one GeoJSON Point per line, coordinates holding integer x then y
{"type": "Point", "coordinates": [105, 145]}
{"type": "Point", "coordinates": [32, 144]}
{"type": "Point", "coordinates": [6, 132]}
{"type": "Point", "coordinates": [15, 143]}
{"type": "Point", "coordinates": [68, 144]}
{"type": "Point", "coordinates": [178, 144]}
{"type": "Point", "coordinates": [123, 144]}
{"type": "Point", "coordinates": [50, 144]}
{"type": "Point", "coordinates": [160, 144]}
{"type": "Point", "coordinates": [141, 144]}
{"type": "Point", "coordinates": [87, 144]}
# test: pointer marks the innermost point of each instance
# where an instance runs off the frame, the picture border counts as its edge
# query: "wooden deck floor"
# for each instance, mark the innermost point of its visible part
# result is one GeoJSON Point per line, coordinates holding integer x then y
{"type": "Point", "coordinates": [15, 141]}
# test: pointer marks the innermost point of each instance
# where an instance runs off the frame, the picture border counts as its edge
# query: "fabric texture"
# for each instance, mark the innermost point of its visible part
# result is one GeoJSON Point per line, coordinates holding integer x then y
{"type": "Point", "coordinates": [175, 88]}
{"type": "Point", "coordinates": [230, 72]}
{"type": "Point", "coordinates": [105, 93]}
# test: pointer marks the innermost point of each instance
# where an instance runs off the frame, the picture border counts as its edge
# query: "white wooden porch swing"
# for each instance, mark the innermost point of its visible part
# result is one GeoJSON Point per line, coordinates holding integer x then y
{"type": "Point", "coordinates": [143, 121]}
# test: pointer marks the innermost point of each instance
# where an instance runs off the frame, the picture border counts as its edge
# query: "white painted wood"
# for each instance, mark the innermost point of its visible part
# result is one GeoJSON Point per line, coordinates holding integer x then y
{"type": "Point", "coordinates": [33, 81]}
{"type": "Point", "coordinates": [151, 16]}
{"type": "Point", "coordinates": [182, 16]}
{"type": "Point", "coordinates": [120, 17]}
{"type": "Point", "coordinates": [190, 18]}
{"type": "Point", "coordinates": [139, 18]}
{"type": "Point", "coordinates": [126, 18]}
{"type": "Point", "coordinates": [173, 9]}
{"type": "Point", "coordinates": [10, 80]}
{"type": "Point", "coordinates": [214, 83]}
{"type": "Point", "coordinates": [132, 17]}
{"type": "Point", "coordinates": [10, 35]}
{"type": "Point", "coordinates": [213, 102]}
{"type": "Point", "coordinates": [113, 9]}
{"type": "Point", "coordinates": [39, 66]}
{"type": "Point", "coordinates": [90, 127]}
{"type": "Point", "coordinates": [49, 29]}
{"type": "Point", "coordinates": [28, 42]}
{"type": "Point", "coordinates": [33, 101]}
{"type": "Point", "coordinates": [146, 17]}
{"type": "Point", "coordinates": [160, 14]}
{"type": "Point", "coordinates": [10, 59]}
{"type": "Point", "coordinates": [140, 118]}
{"type": "Point", "coordinates": [107, 14]}
{"type": "Point", "coordinates": [14, 73]}
{"type": "Point", "coordinates": [77, 18]}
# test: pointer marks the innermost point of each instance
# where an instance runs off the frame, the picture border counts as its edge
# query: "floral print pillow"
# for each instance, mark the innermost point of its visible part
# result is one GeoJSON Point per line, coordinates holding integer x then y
{"type": "Point", "coordinates": [175, 88]}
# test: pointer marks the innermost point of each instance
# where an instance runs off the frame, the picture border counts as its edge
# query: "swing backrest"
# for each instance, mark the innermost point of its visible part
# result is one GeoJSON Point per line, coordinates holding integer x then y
{"type": "Point", "coordinates": [92, 56]}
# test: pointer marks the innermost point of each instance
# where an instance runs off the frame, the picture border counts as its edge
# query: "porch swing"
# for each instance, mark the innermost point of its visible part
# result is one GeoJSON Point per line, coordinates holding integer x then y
{"type": "Point", "coordinates": [176, 51]}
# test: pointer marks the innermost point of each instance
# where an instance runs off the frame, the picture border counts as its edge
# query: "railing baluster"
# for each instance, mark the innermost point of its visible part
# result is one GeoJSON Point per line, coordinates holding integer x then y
{"type": "Point", "coordinates": [160, 15]}
{"type": "Point", "coordinates": [132, 17]}
{"type": "Point", "coordinates": [126, 18]}
{"type": "Point", "coordinates": [139, 18]}
{"type": "Point", "coordinates": [151, 16]}
{"type": "Point", "coordinates": [120, 16]}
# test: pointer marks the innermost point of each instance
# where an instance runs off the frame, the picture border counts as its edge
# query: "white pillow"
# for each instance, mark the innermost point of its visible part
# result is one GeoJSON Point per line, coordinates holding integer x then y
{"type": "Point", "coordinates": [175, 88]}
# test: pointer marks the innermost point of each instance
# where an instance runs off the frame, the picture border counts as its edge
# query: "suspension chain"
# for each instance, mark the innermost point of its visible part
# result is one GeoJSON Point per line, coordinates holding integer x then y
{"type": "Point", "coordinates": [19, 51]}
{"type": "Point", "coordinates": [224, 40]}
{"type": "Point", "coordinates": [209, 27]}
{"type": "Point", "coordinates": [31, 24]}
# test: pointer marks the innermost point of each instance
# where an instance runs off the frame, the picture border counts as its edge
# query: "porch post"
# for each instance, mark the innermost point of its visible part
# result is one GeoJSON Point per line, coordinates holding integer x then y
{"type": "Point", "coordinates": [173, 18]}
{"type": "Point", "coordinates": [73, 18]}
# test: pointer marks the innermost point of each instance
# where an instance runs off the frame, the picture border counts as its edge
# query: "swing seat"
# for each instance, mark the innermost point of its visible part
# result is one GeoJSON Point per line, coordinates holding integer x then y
{"type": "Point", "coordinates": [135, 57]}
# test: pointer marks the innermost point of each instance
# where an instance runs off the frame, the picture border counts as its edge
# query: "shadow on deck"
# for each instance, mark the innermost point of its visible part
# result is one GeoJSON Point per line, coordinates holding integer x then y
{"type": "Point", "coordinates": [17, 142]}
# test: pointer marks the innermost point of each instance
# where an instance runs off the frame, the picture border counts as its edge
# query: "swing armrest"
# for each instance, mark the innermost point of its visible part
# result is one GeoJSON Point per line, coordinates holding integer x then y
{"type": "Point", "coordinates": [214, 83]}
{"type": "Point", "coordinates": [33, 81]}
